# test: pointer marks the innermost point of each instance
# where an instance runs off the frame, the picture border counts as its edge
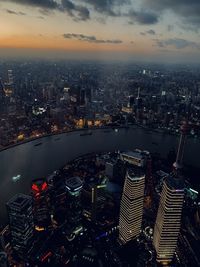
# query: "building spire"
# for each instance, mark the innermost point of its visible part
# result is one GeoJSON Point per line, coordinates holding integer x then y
{"type": "Point", "coordinates": [138, 96]}
{"type": "Point", "coordinates": [178, 164]}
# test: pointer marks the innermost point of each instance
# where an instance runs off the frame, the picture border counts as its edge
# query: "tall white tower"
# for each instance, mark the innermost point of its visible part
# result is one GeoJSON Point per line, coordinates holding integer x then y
{"type": "Point", "coordinates": [168, 221]}
{"type": "Point", "coordinates": [131, 208]}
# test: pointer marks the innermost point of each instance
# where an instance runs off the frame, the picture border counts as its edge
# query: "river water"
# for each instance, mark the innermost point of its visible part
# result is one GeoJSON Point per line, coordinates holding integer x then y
{"type": "Point", "coordinates": [32, 161]}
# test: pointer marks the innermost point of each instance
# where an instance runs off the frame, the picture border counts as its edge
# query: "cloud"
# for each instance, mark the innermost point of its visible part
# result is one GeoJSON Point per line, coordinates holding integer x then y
{"type": "Point", "coordinates": [150, 32]}
{"type": "Point", "coordinates": [49, 4]}
{"type": "Point", "coordinates": [78, 12]}
{"type": "Point", "coordinates": [12, 12]}
{"type": "Point", "coordinates": [189, 10]}
{"type": "Point", "coordinates": [177, 43]}
{"type": "Point", "coordinates": [76, 9]}
{"type": "Point", "coordinates": [90, 38]}
{"type": "Point", "coordinates": [40, 17]}
{"type": "Point", "coordinates": [170, 28]}
{"type": "Point", "coordinates": [142, 17]}
{"type": "Point", "coordinates": [107, 7]}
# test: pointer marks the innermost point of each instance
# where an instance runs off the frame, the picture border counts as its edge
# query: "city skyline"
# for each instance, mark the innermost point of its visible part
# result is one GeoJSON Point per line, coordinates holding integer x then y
{"type": "Point", "coordinates": [146, 30]}
{"type": "Point", "coordinates": [92, 173]}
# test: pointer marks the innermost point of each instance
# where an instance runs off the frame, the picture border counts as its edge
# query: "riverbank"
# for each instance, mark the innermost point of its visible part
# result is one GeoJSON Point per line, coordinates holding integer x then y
{"type": "Point", "coordinates": [28, 161]}
{"type": "Point", "coordinates": [57, 134]}
{"type": "Point", "coordinates": [147, 129]}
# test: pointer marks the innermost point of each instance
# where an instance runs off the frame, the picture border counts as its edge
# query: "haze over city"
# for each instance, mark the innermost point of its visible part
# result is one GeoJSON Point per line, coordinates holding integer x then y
{"type": "Point", "coordinates": [99, 133]}
{"type": "Point", "coordinates": [146, 30]}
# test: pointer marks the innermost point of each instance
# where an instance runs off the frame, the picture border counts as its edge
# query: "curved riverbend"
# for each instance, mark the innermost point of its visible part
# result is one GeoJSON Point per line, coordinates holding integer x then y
{"type": "Point", "coordinates": [32, 161]}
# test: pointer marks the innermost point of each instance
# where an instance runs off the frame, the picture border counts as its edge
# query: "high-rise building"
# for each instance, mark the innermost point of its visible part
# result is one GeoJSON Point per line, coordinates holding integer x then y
{"type": "Point", "coordinates": [131, 100]}
{"type": "Point", "coordinates": [20, 212]}
{"type": "Point", "coordinates": [149, 184]}
{"type": "Point", "coordinates": [131, 208]}
{"type": "Point", "coordinates": [58, 198]}
{"type": "Point", "coordinates": [9, 86]}
{"type": "Point", "coordinates": [10, 77]}
{"type": "Point", "coordinates": [74, 209]}
{"type": "Point", "coordinates": [2, 93]}
{"type": "Point", "coordinates": [40, 203]}
{"type": "Point", "coordinates": [168, 221]}
{"type": "Point", "coordinates": [98, 198]}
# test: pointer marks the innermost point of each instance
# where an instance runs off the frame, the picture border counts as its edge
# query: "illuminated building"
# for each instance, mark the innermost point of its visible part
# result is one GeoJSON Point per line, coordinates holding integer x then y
{"type": "Point", "coordinates": [9, 86]}
{"type": "Point", "coordinates": [136, 158]}
{"type": "Point", "coordinates": [98, 198]}
{"type": "Point", "coordinates": [10, 77]}
{"type": "Point", "coordinates": [131, 100]}
{"type": "Point", "coordinates": [40, 203]}
{"type": "Point", "coordinates": [138, 105]}
{"type": "Point", "coordinates": [20, 213]}
{"type": "Point", "coordinates": [74, 209]}
{"type": "Point", "coordinates": [149, 187]}
{"type": "Point", "coordinates": [168, 221]}
{"type": "Point", "coordinates": [131, 208]}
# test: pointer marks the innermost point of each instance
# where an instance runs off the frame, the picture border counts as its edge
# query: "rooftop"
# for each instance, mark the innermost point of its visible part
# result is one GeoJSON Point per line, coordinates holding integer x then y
{"type": "Point", "coordinates": [135, 174]}
{"type": "Point", "coordinates": [133, 154]}
{"type": "Point", "coordinates": [19, 200]}
{"type": "Point", "coordinates": [74, 183]}
{"type": "Point", "coordinates": [175, 183]}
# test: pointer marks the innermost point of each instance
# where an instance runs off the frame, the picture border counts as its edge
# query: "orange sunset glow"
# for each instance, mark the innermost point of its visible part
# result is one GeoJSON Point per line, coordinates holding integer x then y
{"type": "Point", "coordinates": [116, 27]}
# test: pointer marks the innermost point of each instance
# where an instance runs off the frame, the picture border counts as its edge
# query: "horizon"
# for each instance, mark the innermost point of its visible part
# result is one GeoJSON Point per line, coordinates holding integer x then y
{"type": "Point", "coordinates": [147, 31]}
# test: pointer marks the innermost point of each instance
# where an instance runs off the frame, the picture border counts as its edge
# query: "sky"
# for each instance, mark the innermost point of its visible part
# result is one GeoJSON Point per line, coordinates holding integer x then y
{"type": "Point", "coordinates": [146, 30]}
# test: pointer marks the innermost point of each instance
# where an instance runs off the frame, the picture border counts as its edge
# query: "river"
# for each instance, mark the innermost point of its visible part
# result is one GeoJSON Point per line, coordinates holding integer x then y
{"type": "Point", "coordinates": [32, 161]}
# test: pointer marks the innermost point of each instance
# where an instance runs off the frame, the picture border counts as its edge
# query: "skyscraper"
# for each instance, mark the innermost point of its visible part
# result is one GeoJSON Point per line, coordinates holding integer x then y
{"type": "Point", "coordinates": [149, 187]}
{"type": "Point", "coordinates": [2, 93]}
{"type": "Point", "coordinates": [58, 196]}
{"type": "Point", "coordinates": [40, 203]}
{"type": "Point", "coordinates": [20, 212]}
{"type": "Point", "coordinates": [131, 208]}
{"type": "Point", "coordinates": [10, 77]}
{"type": "Point", "coordinates": [74, 211]}
{"type": "Point", "coordinates": [98, 198]}
{"type": "Point", "coordinates": [168, 221]}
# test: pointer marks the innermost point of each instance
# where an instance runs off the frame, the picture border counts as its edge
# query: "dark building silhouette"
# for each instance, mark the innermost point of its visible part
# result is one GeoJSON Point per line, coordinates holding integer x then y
{"type": "Point", "coordinates": [20, 212]}
{"type": "Point", "coordinates": [39, 190]}
{"type": "Point", "coordinates": [74, 208]}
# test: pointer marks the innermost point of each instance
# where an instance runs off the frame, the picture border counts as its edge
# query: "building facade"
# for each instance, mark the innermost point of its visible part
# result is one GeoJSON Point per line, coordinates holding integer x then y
{"type": "Point", "coordinates": [74, 208]}
{"type": "Point", "coordinates": [131, 208]}
{"type": "Point", "coordinates": [20, 212]}
{"type": "Point", "coordinates": [168, 221]}
{"type": "Point", "coordinates": [39, 190]}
